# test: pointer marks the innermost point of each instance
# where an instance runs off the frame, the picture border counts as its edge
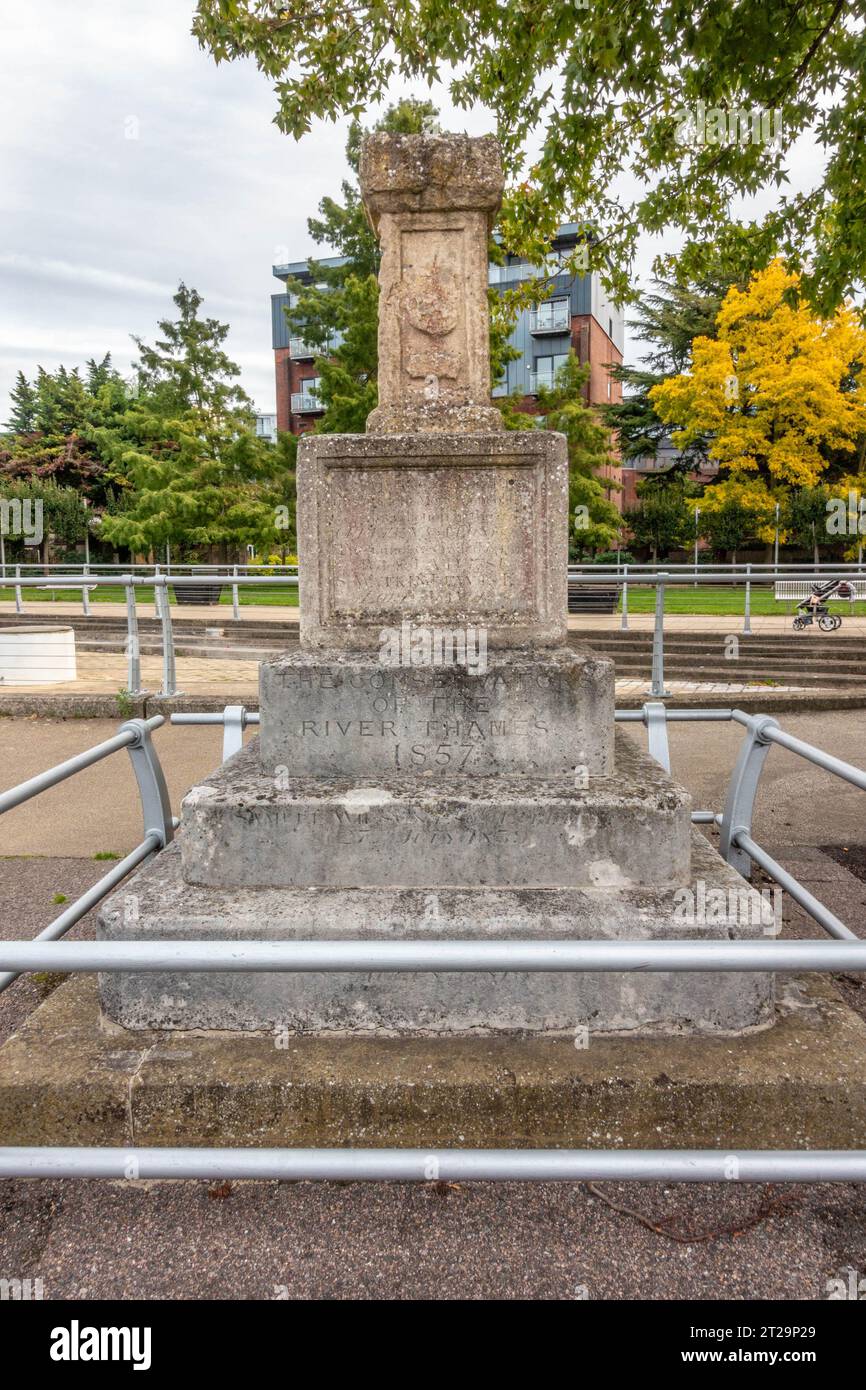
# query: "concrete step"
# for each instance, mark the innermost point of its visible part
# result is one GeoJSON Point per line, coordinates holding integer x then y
{"type": "Point", "coordinates": [65, 1079]}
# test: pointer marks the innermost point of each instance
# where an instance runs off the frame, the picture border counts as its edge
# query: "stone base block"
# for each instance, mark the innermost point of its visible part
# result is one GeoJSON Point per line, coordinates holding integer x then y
{"type": "Point", "coordinates": [346, 714]}
{"type": "Point", "coordinates": [247, 828]}
{"type": "Point", "coordinates": [445, 530]}
{"type": "Point", "coordinates": [69, 1077]}
{"type": "Point", "coordinates": [156, 904]}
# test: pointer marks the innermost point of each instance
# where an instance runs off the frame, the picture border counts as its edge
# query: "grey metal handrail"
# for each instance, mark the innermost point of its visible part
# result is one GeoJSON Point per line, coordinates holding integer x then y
{"type": "Point", "coordinates": [529, 956]}
{"type": "Point", "coordinates": [237, 576]}
{"type": "Point", "coordinates": [440, 1165]}
{"type": "Point", "coordinates": [159, 824]}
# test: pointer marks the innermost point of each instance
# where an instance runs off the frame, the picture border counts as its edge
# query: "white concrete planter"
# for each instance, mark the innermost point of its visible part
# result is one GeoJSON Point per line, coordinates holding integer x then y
{"type": "Point", "coordinates": [36, 655]}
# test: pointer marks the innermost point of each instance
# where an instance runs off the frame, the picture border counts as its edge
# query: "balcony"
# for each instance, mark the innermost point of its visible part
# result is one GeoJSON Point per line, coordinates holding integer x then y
{"type": "Point", "coordinates": [554, 317]}
{"type": "Point", "coordinates": [300, 349]}
{"type": "Point", "coordinates": [305, 403]}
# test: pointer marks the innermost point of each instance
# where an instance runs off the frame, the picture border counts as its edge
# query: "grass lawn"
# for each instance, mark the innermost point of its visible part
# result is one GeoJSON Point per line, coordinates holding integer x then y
{"type": "Point", "coordinates": [111, 593]}
{"type": "Point", "coordinates": [725, 600]}
{"type": "Point", "coordinates": [719, 599]}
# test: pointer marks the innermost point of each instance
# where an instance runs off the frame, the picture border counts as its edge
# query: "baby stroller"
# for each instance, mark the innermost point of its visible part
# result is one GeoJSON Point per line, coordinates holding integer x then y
{"type": "Point", "coordinates": [815, 606]}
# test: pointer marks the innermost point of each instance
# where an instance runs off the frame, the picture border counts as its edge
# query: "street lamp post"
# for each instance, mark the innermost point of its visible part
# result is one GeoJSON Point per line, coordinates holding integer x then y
{"type": "Point", "coordinates": [697, 518]}
{"type": "Point", "coordinates": [776, 541]}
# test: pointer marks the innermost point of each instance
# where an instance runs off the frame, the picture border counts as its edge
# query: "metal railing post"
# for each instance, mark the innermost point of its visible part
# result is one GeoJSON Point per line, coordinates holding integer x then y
{"type": "Point", "coordinates": [656, 719]}
{"type": "Point", "coordinates": [19, 607]}
{"type": "Point", "coordinates": [169, 665]}
{"type": "Point", "coordinates": [155, 804]}
{"type": "Point", "coordinates": [624, 623]}
{"type": "Point", "coordinates": [234, 723]}
{"type": "Point", "coordinates": [747, 622]}
{"type": "Point", "coordinates": [133, 645]}
{"type": "Point", "coordinates": [236, 606]}
{"type": "Point", "coordinates": [657, 689]}
{"type": "Point", "coordinates": [742, 789]}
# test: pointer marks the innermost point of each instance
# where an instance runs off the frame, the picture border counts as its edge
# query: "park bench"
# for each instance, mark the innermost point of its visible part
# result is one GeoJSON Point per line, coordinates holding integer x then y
{"type": "Point", "coordinates": [77, 586]}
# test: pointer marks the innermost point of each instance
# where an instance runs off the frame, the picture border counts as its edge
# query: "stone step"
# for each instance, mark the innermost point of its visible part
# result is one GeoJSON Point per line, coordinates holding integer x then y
{"type": "Point", "coordinates": [247, 828]}
{"type": "Point", "coordinates": [70, 1077]}
{"type": "Point", "coordinates": [159, 905]}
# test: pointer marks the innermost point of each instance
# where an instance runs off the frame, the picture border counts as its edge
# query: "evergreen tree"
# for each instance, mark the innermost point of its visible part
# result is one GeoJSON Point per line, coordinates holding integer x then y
{"type": "Point", "coordinates": [187, 367]}
{"type": "Point", "coordinates": [730, 525]}
{"type": "Point", "coordinates": [805, 518]}
{"type": "Point", "coordinates": [595, 520]}
{"type": "Point", "coordinates": [662, 517]}
{"type": "Point", "coordinates": [100, 373]}
{"type": "Point", "coordinates": [60, 444]}
{"type": "Point", "coordinates": [22, 417]}
{"type": "Point", "coordinates": [193, 472]}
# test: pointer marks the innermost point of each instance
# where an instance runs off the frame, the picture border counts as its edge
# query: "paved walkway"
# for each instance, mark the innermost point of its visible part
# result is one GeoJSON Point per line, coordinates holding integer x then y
{"type": "Point", "coordinates": [105, 673]}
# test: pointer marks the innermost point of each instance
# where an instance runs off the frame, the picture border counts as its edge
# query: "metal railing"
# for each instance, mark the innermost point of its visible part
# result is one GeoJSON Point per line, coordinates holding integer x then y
{"type": "Point", "coordinates": [305, 403]}
{"type": "Point", "coordinates": [251, 576]}
{"type": "Point", "coordinates": [48, 952]}
{"type": "Point", "coordinates": [552, 317]}
{"type": "Point", "coordinates": [159, 824]}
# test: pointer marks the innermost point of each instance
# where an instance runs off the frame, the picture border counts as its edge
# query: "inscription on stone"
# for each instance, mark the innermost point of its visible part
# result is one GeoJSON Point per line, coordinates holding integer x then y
{"type": "Point", "coordinates": [547, 717]}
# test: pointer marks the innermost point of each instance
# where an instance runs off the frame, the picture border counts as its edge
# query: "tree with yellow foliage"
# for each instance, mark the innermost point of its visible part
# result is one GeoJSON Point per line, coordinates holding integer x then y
{"type": "Point", "coordinates": [773, 397]}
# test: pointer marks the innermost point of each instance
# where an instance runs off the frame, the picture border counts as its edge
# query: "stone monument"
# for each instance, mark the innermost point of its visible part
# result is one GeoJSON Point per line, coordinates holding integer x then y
{"type": "Point", "coordinates": [435, 759]}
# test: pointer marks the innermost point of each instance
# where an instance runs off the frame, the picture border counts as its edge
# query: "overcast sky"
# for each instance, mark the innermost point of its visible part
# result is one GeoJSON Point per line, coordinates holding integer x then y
{"type": "Point", "coordinates": [130, 161]}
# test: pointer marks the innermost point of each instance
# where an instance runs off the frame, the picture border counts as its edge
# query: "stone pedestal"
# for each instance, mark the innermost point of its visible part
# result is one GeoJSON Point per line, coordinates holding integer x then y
{"type": "Point", "coordinates": [347, 714]}
{"type": "Point", "coordinates": [447, 530]}
{"type": "Point", "coordinates": [437, 1005]}
{"type": "Point", "coordinates": [435, 760]}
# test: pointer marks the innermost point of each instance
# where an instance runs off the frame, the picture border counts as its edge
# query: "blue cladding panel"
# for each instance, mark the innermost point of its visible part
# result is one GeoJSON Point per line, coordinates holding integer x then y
{"type": "Point", "coordinates": [279, 323]}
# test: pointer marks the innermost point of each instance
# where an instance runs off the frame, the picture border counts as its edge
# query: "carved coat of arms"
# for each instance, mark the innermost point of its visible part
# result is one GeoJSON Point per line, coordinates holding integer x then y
{"type": "Point", "coordinates": [431, 307]}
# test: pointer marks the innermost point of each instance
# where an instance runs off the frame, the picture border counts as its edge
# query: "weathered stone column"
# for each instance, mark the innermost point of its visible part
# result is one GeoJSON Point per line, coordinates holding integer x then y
{"type": "Point", "coordinates": [432, 201]}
